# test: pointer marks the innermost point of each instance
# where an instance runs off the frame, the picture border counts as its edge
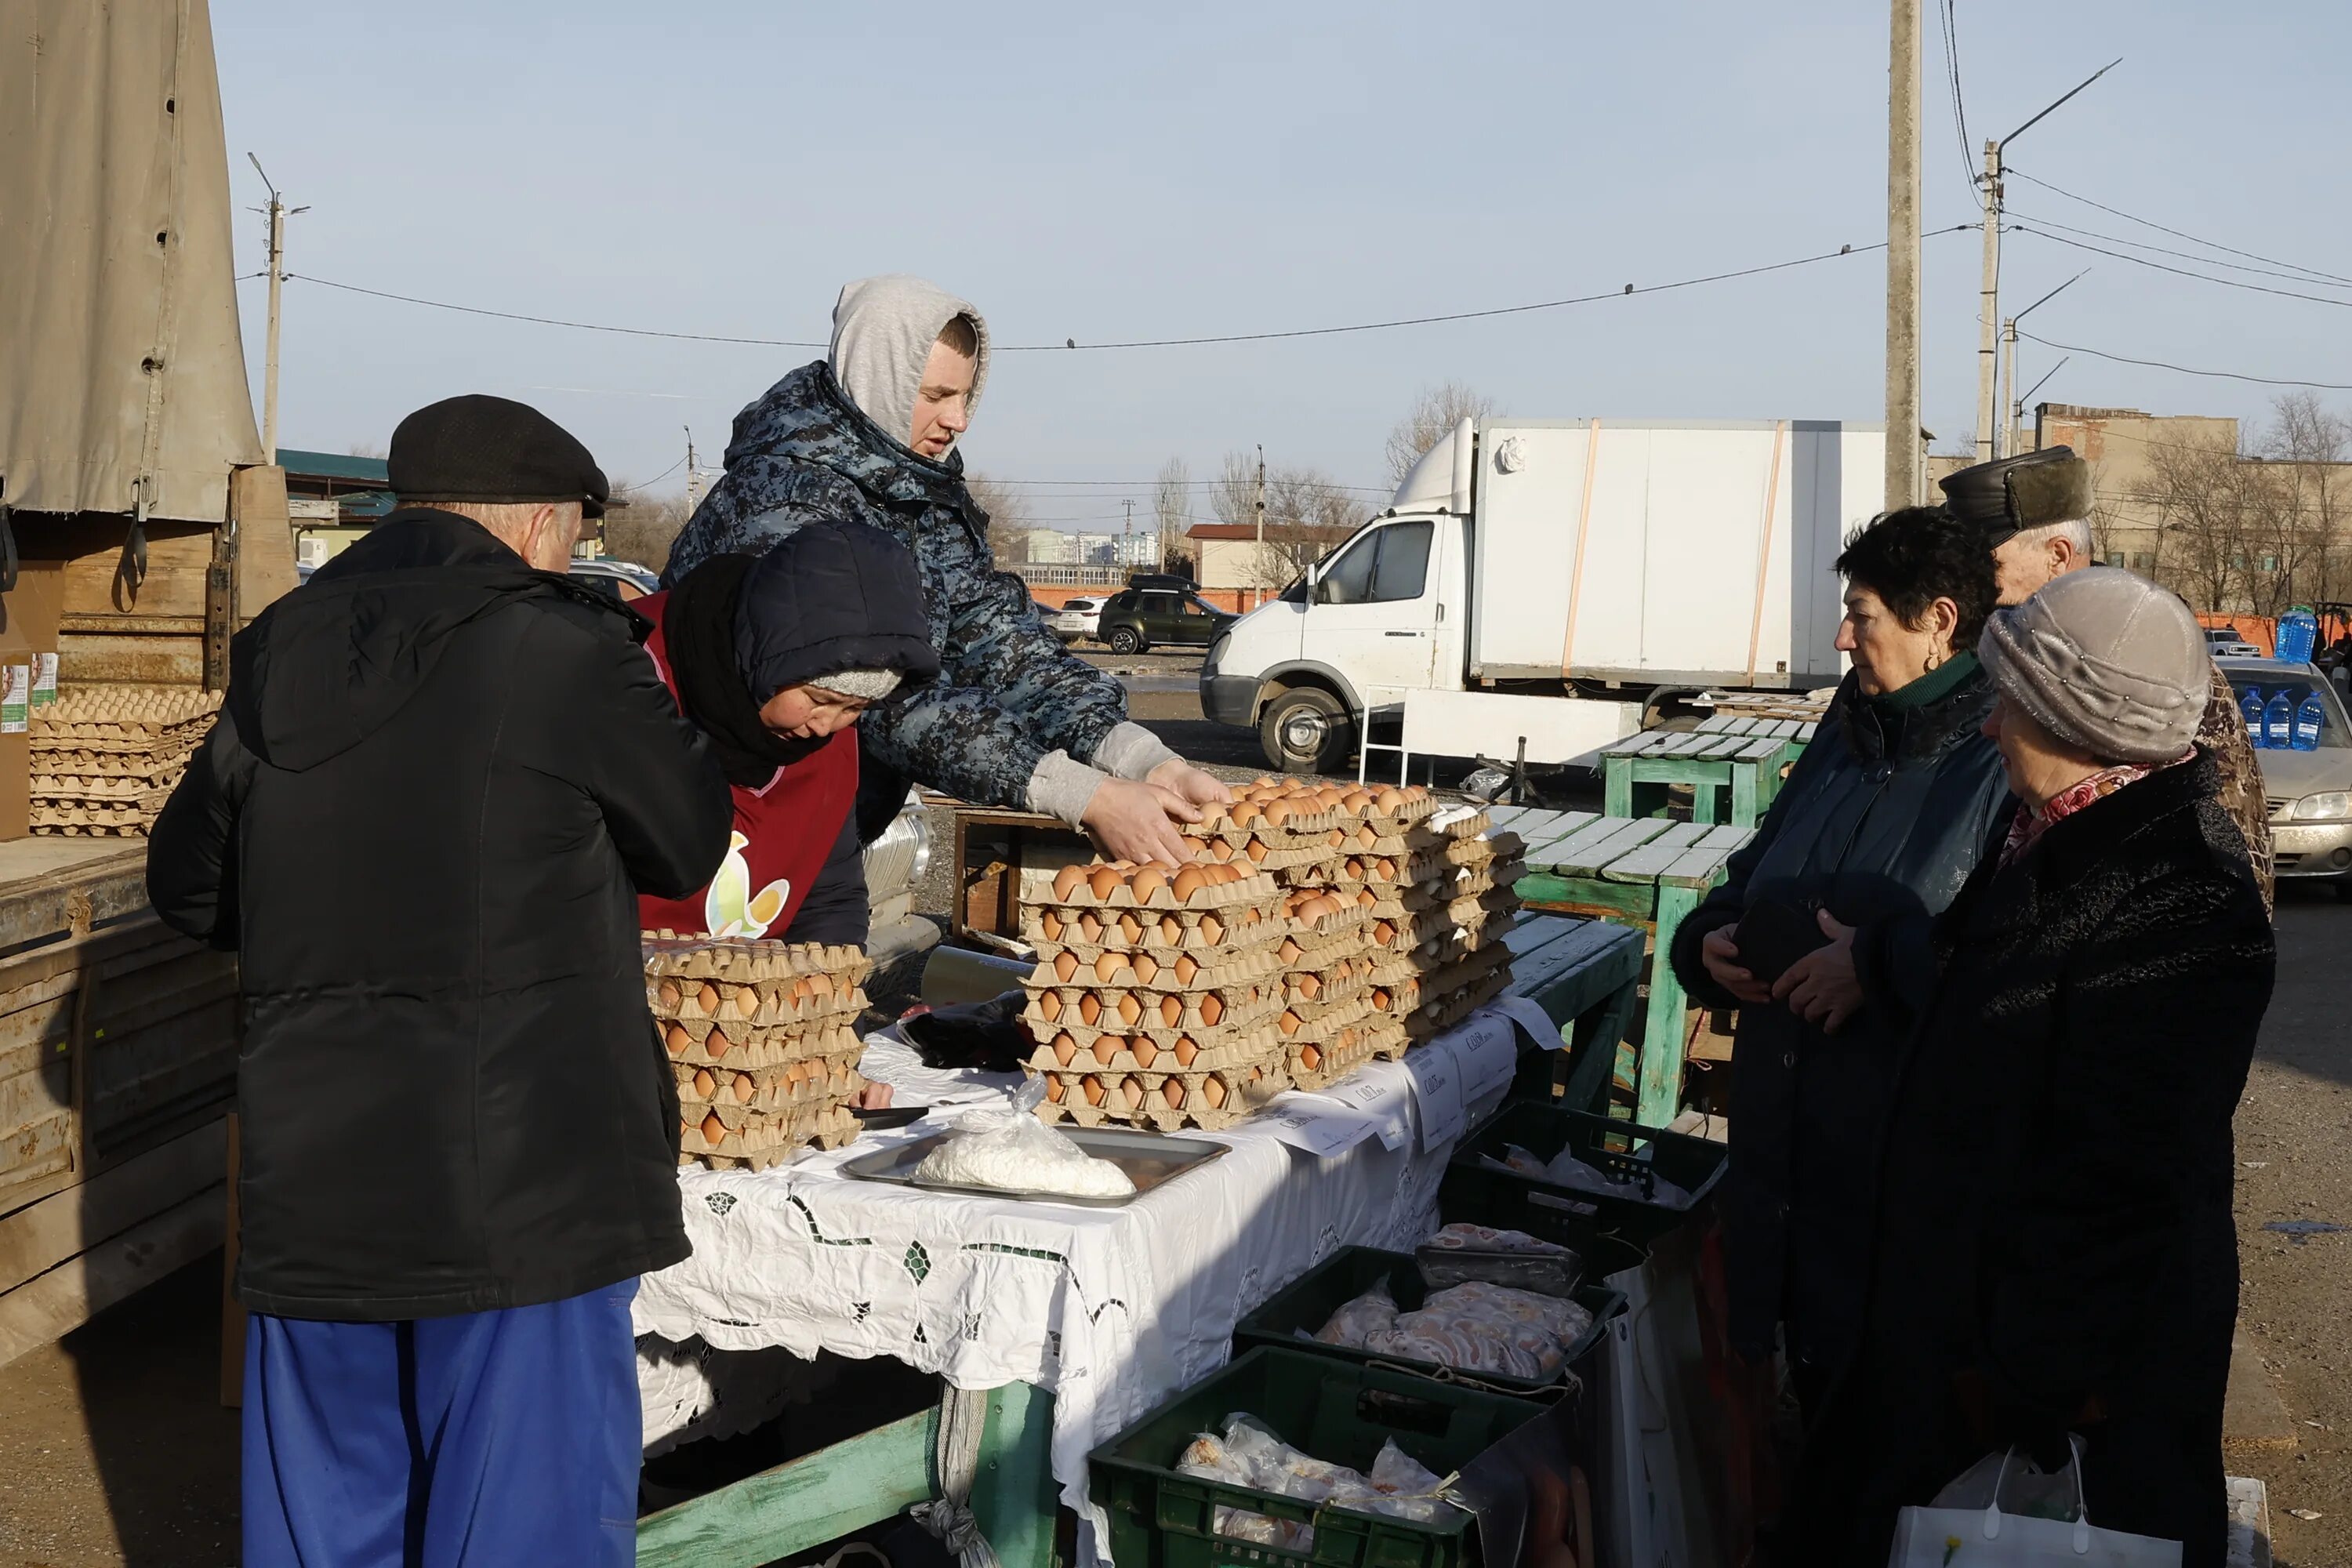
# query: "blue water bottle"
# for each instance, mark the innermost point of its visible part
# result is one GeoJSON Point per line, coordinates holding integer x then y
{"type": "Point", "coordinates": [2278, 721]}
{"type": "Point", "coordinates": [2298, 635]}
{"type": "Point", "coordinates": [2309, 718]}
{"type": "Point", "coordinates": [2250, 709]}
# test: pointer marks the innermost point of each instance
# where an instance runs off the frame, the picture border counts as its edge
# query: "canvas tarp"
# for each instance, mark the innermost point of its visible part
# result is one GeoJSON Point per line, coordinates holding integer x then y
{"type": "Point", "coordinates": [120, 354]}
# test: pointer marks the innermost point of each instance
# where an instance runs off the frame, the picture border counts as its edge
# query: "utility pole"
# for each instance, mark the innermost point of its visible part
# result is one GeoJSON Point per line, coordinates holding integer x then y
{"type": "Point", "coordinates": [278, 211]}
{"type": "Point", "coordinates": [1903, 456]}
{"type": "Point", "coordinates": [2008, 399]}
{"type": "Point", "coordinates": [1989, 301]}
{"type": "Point", "coordinates": [1257, 573]}
{"type": "Point", "coordinates": [693, 474]}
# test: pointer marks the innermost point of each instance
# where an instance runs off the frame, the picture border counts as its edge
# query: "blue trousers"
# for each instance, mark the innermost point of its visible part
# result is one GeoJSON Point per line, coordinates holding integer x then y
{"type": "Point", "coordinates": [507, 1438]}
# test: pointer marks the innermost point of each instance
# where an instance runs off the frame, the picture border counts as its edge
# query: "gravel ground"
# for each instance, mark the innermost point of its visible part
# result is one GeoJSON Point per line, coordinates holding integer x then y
{"type": "Point", "coordinates": [115, 1453]}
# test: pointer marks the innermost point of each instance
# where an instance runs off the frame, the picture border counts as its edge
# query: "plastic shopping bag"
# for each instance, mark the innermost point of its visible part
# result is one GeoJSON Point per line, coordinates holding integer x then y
{"type": "Point", "coordinates": [1006, 1148]}
{"type": "Point", "coordinates": [2009, 1528]}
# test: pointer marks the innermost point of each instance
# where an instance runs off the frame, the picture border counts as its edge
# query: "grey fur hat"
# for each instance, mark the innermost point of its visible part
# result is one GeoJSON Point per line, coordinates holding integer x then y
{"type": "Point", "coordinates": [2010, 495]}
{"type": "Point", "coordinates": [2103, 660]}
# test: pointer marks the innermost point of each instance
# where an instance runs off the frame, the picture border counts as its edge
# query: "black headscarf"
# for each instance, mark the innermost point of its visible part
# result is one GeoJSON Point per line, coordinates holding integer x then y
{"type": "Point", "coordinates": [699, 628]}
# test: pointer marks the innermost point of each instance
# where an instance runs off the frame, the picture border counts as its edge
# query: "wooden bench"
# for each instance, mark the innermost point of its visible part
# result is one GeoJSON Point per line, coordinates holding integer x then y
{"type": "Point", "coordinates": [1733, 766]}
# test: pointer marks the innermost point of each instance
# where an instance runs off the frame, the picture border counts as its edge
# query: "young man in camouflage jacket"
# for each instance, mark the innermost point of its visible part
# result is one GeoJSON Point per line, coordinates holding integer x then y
{"type": "Point", "coordinates": [867, 435]}
{"type": "Point", "coordinates": [2034, 508]}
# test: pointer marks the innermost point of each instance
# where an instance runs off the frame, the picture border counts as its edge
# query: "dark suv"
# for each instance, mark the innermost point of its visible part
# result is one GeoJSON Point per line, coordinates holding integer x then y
{"type": "Point", "coordinates": [1136, 619]}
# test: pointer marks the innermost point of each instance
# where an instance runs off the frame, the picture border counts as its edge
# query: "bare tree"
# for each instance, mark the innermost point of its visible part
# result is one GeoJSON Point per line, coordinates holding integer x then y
{"type": "Point", "coordinates": [368, 450]}
{"type": "Point", "coordinates": [1010, 520]}
{"type": "Point", "coordinates": [2311, 494]}
{"type": "Point", "coordinates": [1434, 414]}
{"type": "Point", "coordinates": [2198, 490]}
{"type": "Point", "coordinates": [642, 527]}
{"type": "Point", "coordinates": [1172, 508]}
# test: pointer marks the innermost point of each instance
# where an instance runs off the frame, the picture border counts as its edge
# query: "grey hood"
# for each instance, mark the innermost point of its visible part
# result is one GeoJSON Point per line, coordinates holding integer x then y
{"type": "Point", "coordinates": [883, 330]}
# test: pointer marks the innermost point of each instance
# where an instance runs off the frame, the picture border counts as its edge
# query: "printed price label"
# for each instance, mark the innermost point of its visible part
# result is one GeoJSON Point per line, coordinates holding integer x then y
{"type": "Point", "coordinates": [1322, 1127]}
{"type": "Point", "coordinates": [1542, 1032]}
{"type": "Point", "coordinates": [1437, 1088]}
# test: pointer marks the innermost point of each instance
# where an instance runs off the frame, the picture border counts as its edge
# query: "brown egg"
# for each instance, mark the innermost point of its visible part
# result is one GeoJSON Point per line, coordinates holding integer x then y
{"type": "Point", "coordinates": [1250, 917]}
{"type": "Point", "coordinates": [1105, 1048]}
{"type": "Point", "coordinates": [1171, 930]}
{"type": "Point", "coordinates": [1278, 812]}
{"type": "Point", "coordinates": [1186, 1049]}
{"type": "Point", "coordinates": [678, 1041]}
{"type": "Point", "coordinates": [1131, 930]}
{"type": "Point", "coordinates": [747, 1003]}
{"type": "Point", "coordinates": [1256, 1073]}
{"type": "Point", "coordinates": [716, 1045]}
{"type": "Point", "coordinates": [1050, 924]}
{"type": "Point", "coordinates": [1130, 1091]}
{"type": "Point", "coordinates": [745, 1088]}
{"type": "Point", "coordinates": [1384, 932]}
{"type": "Point", "coordinates": [1366, 837]}
{"type": "Point", "coordinates": [714, 1132]}
{"type": "Point", "coordinates": [1248, 812]}
{"type": "Point", "coordinates": [1380, 998]}
{"type": "Point", "coordinates": [1090, 928]}
{"type": "Point", "coordinates": [1147, 968]}
{"type": "Point", "coordinates": [1049, 1006]}
{"type": "Point", "coordinates": [1146, 1053]}
{"type": "Point", "coordinates": [1093, 1087]}
{"type": "Point", "coordinates": [1367, 900]}
{"type": "Point", "coordinates": [1352, 869]}
{"type": "Point", "coordinates": [1147, 883]}
{"type": "Point", "coordinates": [1067, 880]}
{"type": "Point", "coordinates": [1288, 952]}
{"type": "Point", "coordinates": [1171, 1011]}
{"type": "Point", "coordinates": [1064, 965]}
{"type": "Point", "coordinates": [1107, 966]}
{"type": "Point", "coordinates": [1213, 929]}
{"type": "Point", "coordinates": [1356, 799]}
{"type": "Point", "coordinates": [670, 995]}
{"type": "Point", "coordinates": [1189, 882]}
{"type": "Point", "coordinates": [1104, 882]}
{"type": "Point", "coordinates": [1309, 986]}
{"type": "Point", "coordinates": [704, 1083]}
{"type": "Point", "coordinates": [1214, 1092]}
{"type": "Point", "coordinates": [1221, 850]}
{"type": "Point", "coordinates": [1211, 1010]}
{"type": "Point", "coordinates": [1089, 1009]}
{"type": "Point", "coordinates": [794, 1072]}
{"type": "Point", "coordinates": [1185, 969]}
{"type": "Point", "coordinates": [1289, 1022]}
{"type": "Point", "coordinates": [1415, 794]}
{"type": "Point", "coordinates": [1054, 1090]}
{"type": "Point", "coordinates": [820, 985]}
{"type": "Point", "coordinates": [1129, 1009]}
{"type": "Point", "coordinates": [1064, 1049]}
{"type": "Point", "coordinates": [800, 989]}
{"type": "Point", "coordinates": [707, 997]}
{"type": "Point", "coordinates": [1173, 1091]}
{"type": "Point", "coordinates": [1388, 799]}
{"type": "Point", "coordinates": [1310, 1058]}
{"type": "Point", "coordinates": [1257, 850]}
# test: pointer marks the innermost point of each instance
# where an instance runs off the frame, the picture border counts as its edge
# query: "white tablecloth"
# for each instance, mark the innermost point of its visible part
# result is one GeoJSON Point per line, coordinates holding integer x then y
{"type": "Point", "coordinates": [1110, 1309]}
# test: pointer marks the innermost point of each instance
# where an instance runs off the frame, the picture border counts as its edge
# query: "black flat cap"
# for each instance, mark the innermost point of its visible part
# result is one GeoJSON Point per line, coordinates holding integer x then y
{"type": "Point", "coordinates": [492, 449]}
{"type": "Point", "coordinates": [2010, 495]}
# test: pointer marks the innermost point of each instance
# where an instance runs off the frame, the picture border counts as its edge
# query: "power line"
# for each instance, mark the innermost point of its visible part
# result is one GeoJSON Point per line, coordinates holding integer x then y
{"type": "Point", "coordinates": [1071, 343]}
{"type": "Point", "coordinates": [2186, 370]}
{"type": "Point", "coordinates": [649, 484]}
{"type": "Point", "coordinates": [1952, 74]}
{"type": "Point", "coordinates": [2162, 250]}
{"type": "Point", "coordinates": [2184, 272]}
{"type": "Point", "coordinates": [2177, 234]}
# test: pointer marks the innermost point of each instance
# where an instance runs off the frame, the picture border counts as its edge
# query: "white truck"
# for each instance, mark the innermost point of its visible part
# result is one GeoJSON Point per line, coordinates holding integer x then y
{"type": "Point", "coordinates": [1538, 588]}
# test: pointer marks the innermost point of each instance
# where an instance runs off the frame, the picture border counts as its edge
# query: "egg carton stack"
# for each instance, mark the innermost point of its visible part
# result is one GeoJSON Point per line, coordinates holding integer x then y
{"type": "Point", "coordinates": [761, 1040]}
{"type": "Point", "coordinates": [1453, 904]}
{"type": "Point", "coordinates": [1157, 995]}
{"type": "Point", "coordinates": [105, 758]}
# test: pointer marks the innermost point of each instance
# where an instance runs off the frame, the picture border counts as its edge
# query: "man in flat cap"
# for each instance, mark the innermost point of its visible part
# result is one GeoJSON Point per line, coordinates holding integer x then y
{"type": "Point", "coordinates": [442, 778]}
{"type": "Point", "coordinates": [2035, 511]}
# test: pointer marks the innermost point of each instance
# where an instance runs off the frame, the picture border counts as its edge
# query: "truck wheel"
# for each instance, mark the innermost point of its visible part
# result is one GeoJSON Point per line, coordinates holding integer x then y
{"type": "Point", "coordinates": [1126, 639]}
{"type": "Point", "coordinates": [1306, 730]}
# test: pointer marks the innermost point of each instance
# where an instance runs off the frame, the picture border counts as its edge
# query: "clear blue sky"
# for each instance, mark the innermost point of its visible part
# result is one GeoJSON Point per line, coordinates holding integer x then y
{"type": "Point", "coordinates": [1108, 172]}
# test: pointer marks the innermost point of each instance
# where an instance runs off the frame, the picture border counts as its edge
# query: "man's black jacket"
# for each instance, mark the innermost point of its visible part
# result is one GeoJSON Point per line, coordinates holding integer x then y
{"type": "Point", "coordinates": [439, 782]}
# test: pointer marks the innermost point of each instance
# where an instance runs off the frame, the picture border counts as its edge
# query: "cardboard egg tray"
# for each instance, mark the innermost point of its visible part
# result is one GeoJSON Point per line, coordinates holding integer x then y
{"type": "Point", "coordinates": [1244, 1090]}
{"type": "Point", "coordinates": [1436, 1018]}
{"type": "Point", "coordinates": [1255, 888]}
{"type": "Point", "coordinates": [1331, 990]}
{"type": "Point", "coordinates": [1297, 826]}
{"type": "Point", "coordinates": [1271, 858]}
{"type": "Point", "coordinates": [1237, 1013]}
{"type": "Point", "coordinates": [761, 1004]}
{"type": "Point", "coordinates": [1340, 928]}
{"type": "Point", "coordinates": [703, 1042]}
{"type": "Point", "coordinates": [1318, 1066]}
{"type": "Point", "coordinates": [160, 767]}
{"type": "Point", "coordinates": [764, 1140]}
{"type": "Point", "coordinates": [819, 1081]}
{"type": "Point", "coordinates": [743, 960]}
{"type": "Point", "coordinates": [1084, 930]}
{"type": "Point", "coordinates": [1146, 972]}
{"type": "Point", "coordinates": [1328, 1023]}
{"type": "Point", "coordinates": [1148, 1052]}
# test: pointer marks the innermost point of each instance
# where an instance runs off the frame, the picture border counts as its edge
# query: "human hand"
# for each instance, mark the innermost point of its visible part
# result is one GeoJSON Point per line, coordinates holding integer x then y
{"type": "Point", "coordinates": [1198, 787]}
{"type": "Point", "coordinates": [873, 1097]}
{"type": "Point", "coordinates": [1136, 821]}
{"type": "Point", "coordinates": [1721, 954]}
{"type": "Point", "coordinates": [1821, 987]}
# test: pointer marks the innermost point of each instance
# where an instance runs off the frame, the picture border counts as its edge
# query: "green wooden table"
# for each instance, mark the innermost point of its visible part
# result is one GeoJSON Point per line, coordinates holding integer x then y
{"type": "Point", "coordinates": [1733, 766]}
{"type": "Point", "coordinates": [1585, 974]}
{"type": "Point", "coordinates": [1643, 871]}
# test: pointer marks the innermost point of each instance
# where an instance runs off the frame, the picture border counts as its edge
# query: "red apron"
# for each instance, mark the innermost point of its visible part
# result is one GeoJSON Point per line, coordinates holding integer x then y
{"type": "Point", "coordinates": [783, 832]}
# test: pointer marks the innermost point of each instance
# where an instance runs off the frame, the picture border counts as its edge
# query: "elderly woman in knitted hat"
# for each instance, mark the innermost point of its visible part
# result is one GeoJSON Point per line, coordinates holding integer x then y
{"type": "Point", "coordinates": [2055, 1253]}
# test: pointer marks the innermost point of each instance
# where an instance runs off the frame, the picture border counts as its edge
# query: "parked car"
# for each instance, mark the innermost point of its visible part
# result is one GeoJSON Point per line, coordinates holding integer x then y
{"type": "Point", "coordinates": [2309, 792]}
{"type": "Point", "coordinates": [622, 581]}
{"type": "Point", "coordinates": [1075, 621]}
{"type": "Point", "coordinates": [1139, 618]}
{"type": "Point", "coordinates": [2223, 642]}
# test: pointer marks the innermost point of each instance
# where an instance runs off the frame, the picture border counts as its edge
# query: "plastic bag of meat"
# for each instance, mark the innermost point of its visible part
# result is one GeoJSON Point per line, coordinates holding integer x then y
{"type": "Point", "coordinates": [1374, 1312]}
{"type": "Point", "coordinates": [1246, 1453]}
{"type": "Point", "coordinates": [1482, 1328]}
{"type": "Point", "coordinates": [1463, 1253]}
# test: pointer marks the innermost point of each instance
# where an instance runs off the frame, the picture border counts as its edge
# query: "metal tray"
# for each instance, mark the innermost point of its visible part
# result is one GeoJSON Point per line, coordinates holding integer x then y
{"type": "Point", "coordinates": [1149, 1159]}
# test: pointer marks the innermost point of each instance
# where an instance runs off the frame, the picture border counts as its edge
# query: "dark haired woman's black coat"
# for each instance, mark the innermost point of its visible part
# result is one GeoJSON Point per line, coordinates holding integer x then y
{"type": "Point", "coordinates": [1880, 823]}
{"type": "Point", "coordinates": [2055, 1230]}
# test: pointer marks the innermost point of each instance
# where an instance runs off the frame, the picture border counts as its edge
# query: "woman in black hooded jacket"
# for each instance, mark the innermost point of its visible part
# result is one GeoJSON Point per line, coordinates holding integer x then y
{"type": "Point", "coordinates": [1878, 826]}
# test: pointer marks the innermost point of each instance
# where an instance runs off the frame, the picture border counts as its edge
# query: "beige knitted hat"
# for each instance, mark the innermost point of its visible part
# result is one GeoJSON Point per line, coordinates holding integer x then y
{"type": "Point", "coordinates": [2104, 661]}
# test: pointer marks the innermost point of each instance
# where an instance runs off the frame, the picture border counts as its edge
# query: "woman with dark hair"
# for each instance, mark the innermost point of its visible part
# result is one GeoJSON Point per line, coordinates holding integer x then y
{"type": "Point", "coordinates": [1880, 823]}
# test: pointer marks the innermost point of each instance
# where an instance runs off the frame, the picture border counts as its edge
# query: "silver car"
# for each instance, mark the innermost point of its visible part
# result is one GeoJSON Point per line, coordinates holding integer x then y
{"type": "Point", "coordinates": [2309, 793]}
{"type": "Point", "coordinates": [2223, 642]}
{"type": "Point", "coordinates": [1077, 619]}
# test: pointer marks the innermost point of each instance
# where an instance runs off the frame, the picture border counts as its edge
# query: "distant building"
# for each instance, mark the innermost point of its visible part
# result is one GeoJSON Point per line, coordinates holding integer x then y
{"type": "Point", "coordinates": [1232, 558]}
{"type": "Point", "coordinates": [2122, 445]}
{"type": "Point", "coordinates": [333, 500]}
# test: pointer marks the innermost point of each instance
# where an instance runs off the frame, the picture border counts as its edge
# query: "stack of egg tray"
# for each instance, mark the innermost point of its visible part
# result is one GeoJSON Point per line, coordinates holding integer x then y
{"type": "Point", "coordinates": [105, 758]}
{"type": "Point", "coordinates": [1157, 995]}
{"type": "Point", "coordinates": [761, 1042]}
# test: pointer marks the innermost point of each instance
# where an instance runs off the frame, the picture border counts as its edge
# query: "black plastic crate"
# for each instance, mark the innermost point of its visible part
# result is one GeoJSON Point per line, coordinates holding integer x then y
{"type": "Point", "coordinates": [1337, 1411]}
{"type": "Point", "coordinates": [1307, 1303]}
{"type": "Point", "coordinates": [1487, 1195]}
